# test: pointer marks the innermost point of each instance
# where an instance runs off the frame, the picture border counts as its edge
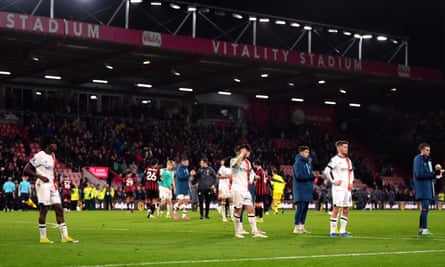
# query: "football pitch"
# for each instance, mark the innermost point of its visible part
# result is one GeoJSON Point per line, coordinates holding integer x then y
{"type": "Point", "coordinates": [118, 238]}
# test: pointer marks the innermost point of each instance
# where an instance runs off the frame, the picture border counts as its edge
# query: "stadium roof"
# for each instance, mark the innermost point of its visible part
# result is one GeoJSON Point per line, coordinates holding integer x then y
{"type": "Point", "coordinates": [36, 56]}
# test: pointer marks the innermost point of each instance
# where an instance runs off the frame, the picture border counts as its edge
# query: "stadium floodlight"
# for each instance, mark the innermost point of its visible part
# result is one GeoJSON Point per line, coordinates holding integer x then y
{"type": "Point", "coordinates": [53, 77]}
{"type": "Point", "coordinates": [342, 91]}
{"type": "Point", "coordinates": [321, 82]}
{"type": "Point", "coordinates": [295, 24]}
{"type": "Point", "coordinates": [224, 93]}
{"type": "Point", "coordinates": [264, 75]}
{"type": "Point", "coordinates": [237, 80]}
{"type": "Point", "coordinates": [38, 93]}
{"type": "Point", "coordinates": [136, 1]}
{"type": "Point", "coordinates": [175, 6]}
{"type": "Point", "coordinates": [382, 38]}
{"type": "Point", "coordinates": [333, 30]}
{"type": "Point", "coordinates": [146, 62]}
{"type": "Point", "coordinates": [35, 58]}
{"type": "Point", "coordinates": [2, 72]}
{"type": "Point", "coordinates": [156, 3]}
{"type": "Point", "coordinates": [394, 41]}
{"type": "Point", "coordinates": [291, 84]}
{"type": "Point", "coordinates": [295, 99]}
{"type": "Point", "coordinates": [262, 96]}
{"type": "Point", "coordinates": [358, 36]}
{"type": "Point", "coordinates": [146, 101]}
{"type": "Point", "coordinates": [100, 81]}
{"type": "Point", "coordinates": [204, 10]}
{"type": "Point", "coordinates": [354, 105]}
{"type": "Point", "coordinates": [144, 85]}
{"type": "Point", "coordinates": [252, 18]}
{"type": "Point", "coordinates": [367, 36]}
{"type": "Point", "coordinates": [176, 73]}
{"type": "Point", "coordinates": [329, 102]}
{"type": "Point", "coordinates": [264, 20]}
{"type": "Point", "coordinates": [393, 89]}
{"type": "Point", "coordinates": [93, 97]}
{"type": "Point", "coordinates": [109, 66]}
{"type": "Point", "coordinates": [184, 89]}
{"type": "Point", "coordinates": [347, 33]}
{"type": "Point", "coordinates": [237, 16]}
{"type": "Point", "coordinates": [280, 22]}
{"type": "Point", "coordinates": [191, 9]}
{"type": "Point", "coordinates": [307, 28]}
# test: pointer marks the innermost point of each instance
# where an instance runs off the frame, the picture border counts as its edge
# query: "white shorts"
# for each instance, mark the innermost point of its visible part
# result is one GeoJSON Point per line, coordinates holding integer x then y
{"type": "Point", "coordinates": [182, 197]}
{"type": "Point", "coordinates": [224, 193]}
{"type": "Point", "coordinates": [341, 197]}
{"type": "Point", "coordinates": [165, 193]}
{"type": "Point", "coordinates": [241, 199]}
{"type": "Point", "coordinates": [47, 194]}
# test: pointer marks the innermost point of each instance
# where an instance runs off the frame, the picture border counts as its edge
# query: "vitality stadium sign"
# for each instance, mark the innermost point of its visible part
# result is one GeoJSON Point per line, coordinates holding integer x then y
{"type": "Point", "coordinates": [90, 31]}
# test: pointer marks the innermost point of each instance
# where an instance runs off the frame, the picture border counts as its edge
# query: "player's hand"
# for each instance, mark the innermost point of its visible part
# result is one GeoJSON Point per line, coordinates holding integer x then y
{"type": "Point", "coordinates": [193, 172]}
{"type": "Point", "coordinates": [337, 182]}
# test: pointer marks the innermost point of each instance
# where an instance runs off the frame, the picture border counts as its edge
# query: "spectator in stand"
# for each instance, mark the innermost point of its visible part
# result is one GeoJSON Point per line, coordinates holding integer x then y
{"type": "Point", "coordinates": [9, 194]}
{"type": "Point", "coordinates": [88, 196]}
{"type": "Point", "coordinates": [303, 186]}
{"type": "Point", "coordinates": [423, 184]}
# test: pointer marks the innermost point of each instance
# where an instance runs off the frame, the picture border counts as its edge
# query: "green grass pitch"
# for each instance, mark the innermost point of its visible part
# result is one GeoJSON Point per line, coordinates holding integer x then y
{"type": "Point", "coordinates": [118, 238]}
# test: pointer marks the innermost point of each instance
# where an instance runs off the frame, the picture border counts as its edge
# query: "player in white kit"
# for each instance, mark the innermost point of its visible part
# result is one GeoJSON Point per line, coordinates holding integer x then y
{"type": "Point", "coordinates": [241, 177]}
{"type": "Point", "coordinates": [341, 174]}
{"type": "Point", "coordinates": [224, 176]}
{"type": "Point", "coordinates": [41, 166]}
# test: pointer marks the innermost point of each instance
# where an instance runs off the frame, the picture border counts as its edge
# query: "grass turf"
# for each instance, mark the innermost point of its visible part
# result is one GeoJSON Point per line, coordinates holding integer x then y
{"type": "Point", "coordinates": [118, 238]}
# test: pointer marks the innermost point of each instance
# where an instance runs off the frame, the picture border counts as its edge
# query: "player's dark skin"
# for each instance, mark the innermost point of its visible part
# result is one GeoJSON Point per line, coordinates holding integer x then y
{"type": "Point", "coordinates": [29, 169]}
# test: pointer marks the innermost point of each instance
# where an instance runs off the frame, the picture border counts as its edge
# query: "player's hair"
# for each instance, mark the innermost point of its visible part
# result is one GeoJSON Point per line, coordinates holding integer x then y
{"type": "Point", "coordinates": [302, 148]}
{"type": "Point", "coordinates": [257, 162]}
{"type": "Point", "coordinates": [246, 146]}
{"type": "Point", "coordinates": [154, 162]}
{"type": "Point", "coordinates": [205, 159]}
{"type": "Point", "coordinates": [341, 142]}
{"type": "Point", "coordinates": [47, 140]}
{"type": "Point", "coordinates": [227, 162]}
{"type": "Point", "coordinates": [273, 169]}
{"type": "Point", "coordinates": [171, 162]}
{"type": "Point", "coordinates": [423, 145]}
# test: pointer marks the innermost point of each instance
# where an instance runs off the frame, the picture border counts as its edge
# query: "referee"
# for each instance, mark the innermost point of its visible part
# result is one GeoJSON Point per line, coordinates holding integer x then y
{"type": "Point", "coordinates": [9, 190]}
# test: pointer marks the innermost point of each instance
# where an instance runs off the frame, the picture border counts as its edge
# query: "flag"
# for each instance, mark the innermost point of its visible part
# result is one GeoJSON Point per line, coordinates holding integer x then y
{"type": "Point", "coordinates": [31, 203]}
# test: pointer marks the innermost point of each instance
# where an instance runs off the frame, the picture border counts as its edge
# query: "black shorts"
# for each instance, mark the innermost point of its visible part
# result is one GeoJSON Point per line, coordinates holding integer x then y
{"type": "Point", "coordinates": [24, 196]}
{"type": "Point", "coordinates": [260, 198]}
{"type": "Point", "coordinates": [9, 197]}
{"type": "Point", "coordinates": [152, 194]}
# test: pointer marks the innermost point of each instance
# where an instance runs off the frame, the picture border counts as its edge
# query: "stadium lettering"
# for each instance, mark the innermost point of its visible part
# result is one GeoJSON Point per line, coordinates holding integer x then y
{"type": "Point", "coordinates": [323, 61]}
{"type": "Point", "coordinates": [249, 51]}
{"type": "Point", "coordinates": [48, 25]}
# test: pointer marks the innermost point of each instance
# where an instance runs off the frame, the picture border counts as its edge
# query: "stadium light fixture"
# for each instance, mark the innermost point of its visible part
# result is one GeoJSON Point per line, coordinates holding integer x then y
{"type": "Point", "coordinates": [7, 73]}
{"type": "Point", "coordinates": [136, 1]}
{"type": "Point", "coordinates": [262, 96]}
{"type": "Point", "coordinates": [93, 97]}
{"type": "Point", "coordinates": [295, 24]}
{"type": "Point", "coordinates": [291, 84]}
{"type": "Point", "coordinates": [307, 28]}
{"type": "Point", "coordinates": [175, 6]}
{"type": "Point", "coordinates": [252, 18]}
{"type": "Point", "coordinates": [176, 73]}
{"type": "Point", "coordinates": [184, 89]}
{"type": "Point", "coordinates": [382, 38]}
{"type": "Point", "coordinates": [329, 102]}
{"type": "Point", "coordinates": [100, 81]}
{"type": "Point", "coordinates": [237, 16]}
{"type": "Point", "coordinates": [264, 20]}
{"type": "Point", "coordinates": [332, 30]}
{"type": "Point", "coordinates": [220, 13]}
{"type": "Point", "coordinates": [156, 3]}
{"type": "Point", "coordinates": [358, 36]}
{"type": "Point", "coordinates": [146, 101]}
{"type": "Point", "coordinates": [321, 82]}
{"type": "Point", "coordinates": [146, 62]}
{"type": "Point", "coordinates": [342, 91]}
{"type": "Point", "coordinates": [354, 105]}
{"type": "Point", "coordinates": [237, 80]}
{"type": "Point", "coordinates": [224, 93]}
{"type": "Point", "coordinates": [191, 9]}
{"type": "Point", "coordinates": [347, 33]}
{"type": "Point", "coordinates": [394, 41]}
{"type": "Point", "coordinates": [144, 85]}
{"type": "Point", "coordinates": [109, 66]}
{"type": "Point", "coordinates": [295, 99]}
{"type": "Point", "coordinates": [280, 22]}
{"type": "Point", "coordinates": [206, 10]}
{"type": "Point", "coordinates": [38, 93]}
{"type": "Point", "coordinates": [393, 89]}
{"type": "Point", "coordinates": [264, 75]}
{"type": "Point", "coordinates": [367, 36]}
{"type": "Point", "coordinates": [53, 77]}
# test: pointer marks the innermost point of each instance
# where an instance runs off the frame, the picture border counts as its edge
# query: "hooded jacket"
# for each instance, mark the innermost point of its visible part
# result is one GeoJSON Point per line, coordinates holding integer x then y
{"type": "Point", "coordinates": [303, 181]}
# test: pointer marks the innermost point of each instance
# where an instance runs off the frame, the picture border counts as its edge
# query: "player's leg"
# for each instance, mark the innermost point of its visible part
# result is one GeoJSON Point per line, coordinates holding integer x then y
{"type": "Point", "coordinates": [184, 207]}
{"type": "Point", "coordinates": [298, 217]}
{"type": "Point", "coordinates": [303, 217]}
{"type": "Point", "coordinates": [201, 196]}
{"type": "Point", "coordinates": [207, 198]}
{"type": "Point", "coordinates": [423, 220]}
{"type": "Point", "coordinates": [238, 205]}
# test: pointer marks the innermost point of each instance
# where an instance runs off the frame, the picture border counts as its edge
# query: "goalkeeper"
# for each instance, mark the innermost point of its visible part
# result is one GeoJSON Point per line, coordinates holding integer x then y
{"type": "Point", "coordinates": [278, 185]}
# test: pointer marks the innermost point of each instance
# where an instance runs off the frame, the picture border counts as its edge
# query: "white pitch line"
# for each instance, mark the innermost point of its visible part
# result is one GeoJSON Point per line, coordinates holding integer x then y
{"type": "Point", "coordinates": [266, 259]}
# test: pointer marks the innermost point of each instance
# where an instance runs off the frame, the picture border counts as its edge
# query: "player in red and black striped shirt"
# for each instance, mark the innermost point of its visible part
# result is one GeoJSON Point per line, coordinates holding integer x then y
{"type": "Point", "coordinates": [151, 178]}
{"type": "Point", "coordinates": [261, 181]}
{"type": "Point", "coordinates": [129, 186]}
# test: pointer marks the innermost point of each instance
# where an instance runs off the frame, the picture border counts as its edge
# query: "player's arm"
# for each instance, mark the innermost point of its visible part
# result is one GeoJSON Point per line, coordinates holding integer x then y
{"type": "Point", "coordinates": [420, 172]}
{"type": "Point", "coordinates": [30, 170]}
{"type": "Point", "coordinates": [329, 173]}
{"type": "Point", "coordinates": [235, 163]}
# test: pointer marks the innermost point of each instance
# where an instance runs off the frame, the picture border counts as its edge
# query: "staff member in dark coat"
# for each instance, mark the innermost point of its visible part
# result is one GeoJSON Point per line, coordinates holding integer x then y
{"type": "Point", "coordinates": [423, 184]}
{"type": "Point", "coordinates": [206, 179]}
{"type": "Point", "coordinates": [303, 186]}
